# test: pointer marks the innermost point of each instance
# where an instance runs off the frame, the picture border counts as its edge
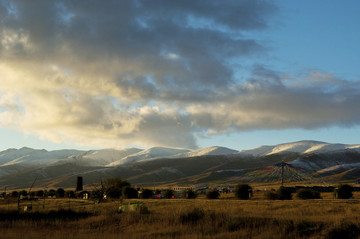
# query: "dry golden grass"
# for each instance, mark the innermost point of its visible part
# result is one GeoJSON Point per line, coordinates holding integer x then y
{"type": "Point", "coordinates": [195, 218]}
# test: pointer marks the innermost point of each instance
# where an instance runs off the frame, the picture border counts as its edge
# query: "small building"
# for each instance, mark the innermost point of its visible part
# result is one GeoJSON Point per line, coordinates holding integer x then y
{"type": "Point", "coordinates": [182, 188]}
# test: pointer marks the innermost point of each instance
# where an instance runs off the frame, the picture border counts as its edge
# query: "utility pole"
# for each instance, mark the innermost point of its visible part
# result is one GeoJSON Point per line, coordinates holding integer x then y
{"type": "Point", "coordinates": [282, 173]}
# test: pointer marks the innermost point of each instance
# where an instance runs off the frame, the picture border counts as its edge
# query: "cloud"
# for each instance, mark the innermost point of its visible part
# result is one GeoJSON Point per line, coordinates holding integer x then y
{"type": "Point", "coordinates": [117, 73]}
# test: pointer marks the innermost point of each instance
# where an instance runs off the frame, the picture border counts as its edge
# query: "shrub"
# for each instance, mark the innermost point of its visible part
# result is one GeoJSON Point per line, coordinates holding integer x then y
{"type": "Point", "coordinates": [189, 194]}
{"type": "Point", "coordinates": [70, 194]}
{"type": "Point", "coordinates": [344, 231]}
{"type": "Point", "coordinates": [129, 192]}
{"type": "Point", "coordinates": [40, 193]}
{"type": "Point", "coordinates": [169, 193]}
{"type": "Point", "coordinates": [60, 192]}
{"type": "Point", "coordinates": [243, 191]}
{"type": "Point", "coordinates": [213, 194]}
{"type": "Point", "coordinates": [15, 194]}
{"type": "Point", "coordinates": [343, 191]}
{"type": "Point", "coordinates": [51, 193]}
{"type": "Point", "coordinates": [23, 193]}
{"type": "Point", "coordinates": [271, 195]}
{"type": "Point", "coordinates": [146, 194]}
{"type": "Point", "coordinates": [307, 194]}
{"type": "Point", "coordinates": [114, 187]}
{"type": "Point", "coordinates": [284, 193]}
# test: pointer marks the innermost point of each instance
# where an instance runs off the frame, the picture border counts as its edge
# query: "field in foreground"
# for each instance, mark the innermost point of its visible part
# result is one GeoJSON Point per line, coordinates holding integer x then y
{"type": "Point", "coordinates": [181, 218]}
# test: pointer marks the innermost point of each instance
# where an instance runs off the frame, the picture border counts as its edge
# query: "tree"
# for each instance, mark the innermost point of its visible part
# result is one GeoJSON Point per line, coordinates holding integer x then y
{"type": "Point", "coordinates": [40, 193]}
{"type": "Point", "coordinates": [213, 194]}
{"type": "Point", "coordinates": [189, 194]}
{"type": "Point", "coordinates": [146, 193]}
{"type": "Point", "coordinates": [243, 191]}
{"type": "Point", "coordinates": [129, 192]}
{"type": "Point", "coordinates": [14, 194]}
{"type": "Point", "coordinates": [169, 193]}
{"type": "Point", "coordinates": [271, 195]}
{"type": "Point", "coordinates": [284, 193]}
{"type": "Point", "coordinates": [23, 193]}
{"type": "Point", "coordinates": [70, 194]}
{"type": "Point", "coordinates": [60, 193]}
{"type": "Point", "coordinates": [114, 186]}
{"type": "Point", "coordinates": [305, 193]}
{"type": "Point", "coordinates": [343, 191]}
{"type": "Point", "coordinates": [51, 193]}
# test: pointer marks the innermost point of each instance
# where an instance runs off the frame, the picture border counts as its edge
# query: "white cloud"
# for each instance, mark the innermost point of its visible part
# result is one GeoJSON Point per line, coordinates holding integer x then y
{"type": "Point", "coordinates": [136, 72]}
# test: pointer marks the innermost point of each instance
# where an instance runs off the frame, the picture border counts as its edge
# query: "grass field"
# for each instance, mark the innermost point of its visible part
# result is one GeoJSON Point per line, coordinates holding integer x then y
{"type": "Point", "coordinates": [183, 218]}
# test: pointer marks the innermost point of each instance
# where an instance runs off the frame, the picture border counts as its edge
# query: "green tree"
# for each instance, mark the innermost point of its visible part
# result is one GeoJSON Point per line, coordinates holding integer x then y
{"type": "Point", "coordinates": [146, 193]}
{"type": "Point", "coordinates": [114, 187]}
{"type": "Point", "coordinates": [213, 194]}
{"type": "Point", "coordinates": [243, 191]}
{"type": "Point", "coordinates": [343, 191]}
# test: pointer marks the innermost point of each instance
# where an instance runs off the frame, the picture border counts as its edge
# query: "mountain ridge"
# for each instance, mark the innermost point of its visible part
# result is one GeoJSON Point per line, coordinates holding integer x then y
{"type": "Point", "coordinates": [160, 165]}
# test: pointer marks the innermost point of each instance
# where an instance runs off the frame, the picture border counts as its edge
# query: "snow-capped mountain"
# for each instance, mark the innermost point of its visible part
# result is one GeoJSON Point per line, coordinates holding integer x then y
{"type": "Point", "coordinates": [159, 165]}
{"type": "Point", "coordinates": [302, 147]}
{"type": "Point", "coordinates": [148, 154]}
{"type": "Point", "coordinates": [101, 157]}
{"type": "Point", "coordinates": [215, 150]}
{"type": "Point", "coordinates": [28, 156]}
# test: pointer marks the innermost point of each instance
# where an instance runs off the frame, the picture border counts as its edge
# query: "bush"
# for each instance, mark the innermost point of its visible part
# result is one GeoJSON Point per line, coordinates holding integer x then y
{"type": "Point", "coordinates": [169, 193]}
{"type": "Point", "coordinates": [129, 192]}
{"type": "Point", "coordinates": [344, 231]}
{"type": "Point", "coordinates": [23, 193]}
{"type": "Point", "coordinates": [343, 191]}
{"type": "Point", "coordinates": [243, 191]}
{"type": "Point", "coordinates": [70, 194]}
{"type": "Point", "coordinates": [271, 195]}
{"type": "Point", "coordinates": [284, 193]}
{"type": "Point", "coordinates": [146, 194]}
{"type": "Point", "coordinates": [189, 194]}
{"type": "Point", "coordinates": [114, 187]}
{"type": "Point", "coordinates": [307, 194]}
{"type": "Point", "coordinates": [51, 193]}
{"type": "Point", "coordinates": [213, 194]}
{"type": "Point", "coordinates": [15, 194]}
{"type": "Point", "coordinates": [60, 193]}
{"type": "Point", "coordinates": [40, 193]}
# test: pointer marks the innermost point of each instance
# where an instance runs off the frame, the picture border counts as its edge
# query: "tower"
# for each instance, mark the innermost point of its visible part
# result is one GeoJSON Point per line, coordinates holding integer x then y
{"type": "Point", "coordinates": [79, 184]}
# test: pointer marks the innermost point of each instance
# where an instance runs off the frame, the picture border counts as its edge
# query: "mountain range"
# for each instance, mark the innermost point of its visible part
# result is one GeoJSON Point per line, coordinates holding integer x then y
{"type": "Point", "coordinates": [314, 160]}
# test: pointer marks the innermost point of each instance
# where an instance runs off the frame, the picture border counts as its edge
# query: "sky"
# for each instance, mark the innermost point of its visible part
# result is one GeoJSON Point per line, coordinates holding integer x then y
{"type": "Point", "coordinates": [184, 74]}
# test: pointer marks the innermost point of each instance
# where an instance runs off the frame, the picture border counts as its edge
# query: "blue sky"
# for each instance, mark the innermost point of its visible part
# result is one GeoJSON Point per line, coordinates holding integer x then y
{"type": "Point", "coordinates": [178, 73]}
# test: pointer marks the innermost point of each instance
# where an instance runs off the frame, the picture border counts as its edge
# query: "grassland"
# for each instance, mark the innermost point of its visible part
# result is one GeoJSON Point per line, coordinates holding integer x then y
{"type": "Point", "coordinates": [181, 218]}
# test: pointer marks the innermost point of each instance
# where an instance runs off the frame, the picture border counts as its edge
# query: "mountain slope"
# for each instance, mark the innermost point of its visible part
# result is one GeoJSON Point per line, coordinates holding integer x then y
{"type": "Point", "coordinates": [148, 154]}
{"type": "Point", "coordinates": [164, 166]}
{"type": "Point", "coordinates": [302, 147]}
{"type": "Point", "coordinates": [34, 157]}
{"type": "Point", "coordinates": [215, 150]}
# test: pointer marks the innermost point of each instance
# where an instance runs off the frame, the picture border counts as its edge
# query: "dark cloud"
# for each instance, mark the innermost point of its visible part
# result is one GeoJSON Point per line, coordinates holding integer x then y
{"type": "Point", "coordinates": [158, 72]}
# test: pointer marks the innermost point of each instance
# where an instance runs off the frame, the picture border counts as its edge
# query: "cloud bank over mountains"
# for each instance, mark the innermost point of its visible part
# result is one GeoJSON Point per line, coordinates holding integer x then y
{"type": "Point", "coordinates": [148, 73]}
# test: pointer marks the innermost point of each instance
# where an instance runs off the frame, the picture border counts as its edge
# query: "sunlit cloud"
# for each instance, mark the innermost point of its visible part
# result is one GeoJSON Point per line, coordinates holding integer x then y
{"type": "Point", "coordinates": [152, 73]}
